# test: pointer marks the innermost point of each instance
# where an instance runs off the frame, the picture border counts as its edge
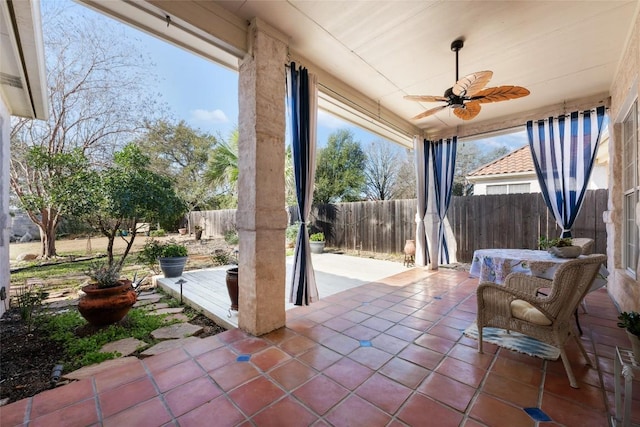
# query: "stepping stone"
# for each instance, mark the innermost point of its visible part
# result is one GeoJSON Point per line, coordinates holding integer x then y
{"type": "Point", "coordinates": [63, 303]}
{"type": "Point", "coordinates": [179, 330]}
{"type": "Point", "coordinates": [156, 306]}
{"type": "Point", "coordinates": [178, 316]}
{"type": "Point", "coordinates": [148, 301]}
{"type": "Point", "coordinates": [168, 311]}
{"type": "Point", "coordinates": [148, 295]}
{"type": "Point", "coordinates": [91, 370]}
{"type": "Point", "coordinates": [125, 346]}
{"type": "Point", "coordinates": [168, 345]}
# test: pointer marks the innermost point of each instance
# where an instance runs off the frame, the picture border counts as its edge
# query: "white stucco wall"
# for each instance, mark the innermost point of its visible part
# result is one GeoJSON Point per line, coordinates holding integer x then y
{"type": "Point", "coordinates": [5, 220]}
{"type": "Point", "coordinates": [599, 179]}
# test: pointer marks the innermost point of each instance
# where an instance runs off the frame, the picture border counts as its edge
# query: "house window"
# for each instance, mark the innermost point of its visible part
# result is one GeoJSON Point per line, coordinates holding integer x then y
{"type": "Point", "coordinates": [519, 188]}
{"type": "Point", "coordinates": [508, 188]}
{"type": "Point", "coordinates": [497, 189]}
{"type": "Point", "coordinates": [631, 189]}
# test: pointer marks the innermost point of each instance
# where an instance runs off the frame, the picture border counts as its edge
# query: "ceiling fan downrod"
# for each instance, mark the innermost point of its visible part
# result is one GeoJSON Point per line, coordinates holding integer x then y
{"type": "Point", "coordinates": [456, 45]}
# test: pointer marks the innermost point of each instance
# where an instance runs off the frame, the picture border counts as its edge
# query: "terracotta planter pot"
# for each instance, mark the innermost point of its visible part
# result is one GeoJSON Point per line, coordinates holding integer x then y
{"type": "Point", "coordinates": [410, 247]}
{"type": "Point", "coordinates": [101, 307]}
{"type": "Point", "coordinates": [182, 231]}
{"type": "Point", "coordinates": [232, 287]}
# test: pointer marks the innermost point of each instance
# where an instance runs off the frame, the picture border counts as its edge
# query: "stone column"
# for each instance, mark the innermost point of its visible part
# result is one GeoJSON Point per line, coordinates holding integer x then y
{"type": "Point", "coordinates": [261, 217]}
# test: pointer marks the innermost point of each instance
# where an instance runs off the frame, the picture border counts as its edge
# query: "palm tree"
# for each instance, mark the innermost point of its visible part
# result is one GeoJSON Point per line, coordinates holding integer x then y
{"type": "Point", "coordinates": [222, 170]}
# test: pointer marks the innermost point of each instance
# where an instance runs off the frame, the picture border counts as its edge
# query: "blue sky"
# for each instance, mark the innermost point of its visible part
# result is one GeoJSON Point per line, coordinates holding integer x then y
{"type": "Point", "coordinates": [205, 94]}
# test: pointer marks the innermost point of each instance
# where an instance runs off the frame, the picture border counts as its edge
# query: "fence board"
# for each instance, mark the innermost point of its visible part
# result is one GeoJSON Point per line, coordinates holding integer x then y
{"type": "Point", "coordinates": [495, 221]}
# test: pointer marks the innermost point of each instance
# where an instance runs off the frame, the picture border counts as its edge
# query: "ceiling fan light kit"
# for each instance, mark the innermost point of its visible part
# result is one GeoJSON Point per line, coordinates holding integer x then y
{"type": "Point", "coordinates": [466, 95]}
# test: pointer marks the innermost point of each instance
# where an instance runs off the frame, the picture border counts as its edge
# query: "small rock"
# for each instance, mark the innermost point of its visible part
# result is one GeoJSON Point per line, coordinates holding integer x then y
{"type": "Point", "coordinates": [179, 330]}
{"type": "Point", "coordinates": [168, 345]}
{"type": "Point", "coordinates": [125, 346]}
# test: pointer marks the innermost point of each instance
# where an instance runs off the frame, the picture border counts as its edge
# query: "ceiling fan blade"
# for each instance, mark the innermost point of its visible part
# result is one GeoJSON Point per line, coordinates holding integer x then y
{"type": "Point", "coordinates": [429, 112]}
{"type": "Point", "coordinates": [500, 93]}
{"type": "Point", "coordinates": [472, 84]}
{"type": "Point", "coordinates": [469, 111]}
{"type": "Point", "coordinates": [425, 98]}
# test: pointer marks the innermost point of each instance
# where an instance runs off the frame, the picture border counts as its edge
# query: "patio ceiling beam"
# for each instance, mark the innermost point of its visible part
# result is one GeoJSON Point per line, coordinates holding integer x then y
{"type": "Point", "coordinates": [519, 120]}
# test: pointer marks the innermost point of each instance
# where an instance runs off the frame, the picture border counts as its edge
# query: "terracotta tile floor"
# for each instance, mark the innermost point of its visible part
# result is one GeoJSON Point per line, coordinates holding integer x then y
{"type": "Point", "coordinates": [385, 353]}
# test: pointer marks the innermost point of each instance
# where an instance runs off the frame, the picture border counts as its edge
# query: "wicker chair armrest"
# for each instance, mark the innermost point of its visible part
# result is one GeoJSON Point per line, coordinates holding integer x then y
{"type": "Point", "coordinates": [499, 298]}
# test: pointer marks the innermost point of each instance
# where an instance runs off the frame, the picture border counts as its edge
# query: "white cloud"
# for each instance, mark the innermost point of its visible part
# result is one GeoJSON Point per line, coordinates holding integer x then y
{"type": "Point", "coordinates": [212, 116]}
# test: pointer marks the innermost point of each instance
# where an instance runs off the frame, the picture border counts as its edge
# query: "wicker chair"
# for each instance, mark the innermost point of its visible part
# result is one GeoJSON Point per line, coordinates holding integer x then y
{"type": "Point", "coordinates": [515, 306]}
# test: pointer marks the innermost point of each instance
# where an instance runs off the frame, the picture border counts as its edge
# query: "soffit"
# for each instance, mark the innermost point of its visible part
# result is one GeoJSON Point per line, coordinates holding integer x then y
{"type": "Point", "coordinates": [375, 52]}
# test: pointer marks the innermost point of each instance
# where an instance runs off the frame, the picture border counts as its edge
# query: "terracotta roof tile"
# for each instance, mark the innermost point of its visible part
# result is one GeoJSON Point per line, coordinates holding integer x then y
{"type": "Point", "coordinates": [516, 161]}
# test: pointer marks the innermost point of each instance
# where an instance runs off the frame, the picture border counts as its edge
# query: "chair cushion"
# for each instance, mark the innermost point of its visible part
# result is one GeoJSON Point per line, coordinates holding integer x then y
{"type": "Point", "coordinates": [522, 310]}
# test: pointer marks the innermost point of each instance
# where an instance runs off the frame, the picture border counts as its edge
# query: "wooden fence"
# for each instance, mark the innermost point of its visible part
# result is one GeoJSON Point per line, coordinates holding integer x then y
{"type": "Point", "coordinates": [478, 222]}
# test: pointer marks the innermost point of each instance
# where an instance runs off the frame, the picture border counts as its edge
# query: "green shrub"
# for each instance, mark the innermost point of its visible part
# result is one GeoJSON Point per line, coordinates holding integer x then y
{"type": "Point", "coordinates": [157, 233]}
{"type": "Point", "coordinates": [317, 237]}
{"type": "Point", "coordinates": [29, 301]}
{"type": "Point", "coordinates": [292, 232]}
{"type": "Point", "coordinates": [231, 237]}
{"type": "Point", "coordinates": [630, 321]}
{"type": "Point", "coordinates": [153, 249]}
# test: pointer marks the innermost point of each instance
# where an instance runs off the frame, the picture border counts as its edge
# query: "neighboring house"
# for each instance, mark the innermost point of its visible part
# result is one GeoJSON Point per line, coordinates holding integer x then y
{"type": "Point", "coordinates": [22, 93]}
{"type": "Point", "coordinates": [515, 173]}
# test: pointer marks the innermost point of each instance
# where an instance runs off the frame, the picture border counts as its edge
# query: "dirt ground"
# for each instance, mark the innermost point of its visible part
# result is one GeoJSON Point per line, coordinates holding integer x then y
{"type": "Point", "coordinates": [96, 245]}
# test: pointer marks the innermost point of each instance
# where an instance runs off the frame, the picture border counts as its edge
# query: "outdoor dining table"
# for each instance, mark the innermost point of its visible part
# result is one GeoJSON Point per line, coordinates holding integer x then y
{"type": "Point", "coordinates": [493, 265]}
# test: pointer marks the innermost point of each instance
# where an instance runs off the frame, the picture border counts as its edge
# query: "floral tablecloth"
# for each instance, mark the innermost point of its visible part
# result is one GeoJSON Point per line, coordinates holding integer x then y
{"type": "Point", "coordinates": [493, 265]}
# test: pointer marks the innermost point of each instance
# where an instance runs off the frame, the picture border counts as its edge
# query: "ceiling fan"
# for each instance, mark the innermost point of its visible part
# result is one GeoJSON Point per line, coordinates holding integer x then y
{"type": "Point", "coordinates": [467, 93]}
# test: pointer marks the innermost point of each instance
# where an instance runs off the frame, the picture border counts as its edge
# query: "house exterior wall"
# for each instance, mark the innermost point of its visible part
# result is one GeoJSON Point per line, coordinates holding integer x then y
{"type": "Point", "coordinates": [622, 286]}
{"type": "Point", "coordinates": [599, 179]}
{"type": "Point", "coordinates": [5, 219]}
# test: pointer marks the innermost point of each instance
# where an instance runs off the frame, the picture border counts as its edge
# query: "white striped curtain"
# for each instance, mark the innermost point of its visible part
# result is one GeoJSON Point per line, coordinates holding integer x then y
{"type": "Point", "coordinates": [303, 109]}
{"type": "Point", "coordinates": [564, 150]}
{"type": "Point", "coordinates": [421, 256]}
{"type": "Point", "coordinates": [435, 165]}
{"type": "Point", "coordinates": [444, 165]}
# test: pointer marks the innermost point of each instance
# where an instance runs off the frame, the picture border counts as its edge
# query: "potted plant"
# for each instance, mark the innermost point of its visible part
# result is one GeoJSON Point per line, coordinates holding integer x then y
{"type": "Point", "coordinates": [316, 241]}
{"type": "Point", "coordinates": [561, 247]}
{"type": "Point", "coordinates": [108, 297]}
{"type": "Point", "coordinates": [630, 321]}
{"type": "Point", "coordinates": [222, 257]}
{"type": "Point", "coordinates": [171, 255]}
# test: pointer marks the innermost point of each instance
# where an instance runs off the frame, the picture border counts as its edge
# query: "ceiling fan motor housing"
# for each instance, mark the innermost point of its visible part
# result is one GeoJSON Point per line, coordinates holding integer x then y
{"type": "Point", "coordinates": [455, 101]}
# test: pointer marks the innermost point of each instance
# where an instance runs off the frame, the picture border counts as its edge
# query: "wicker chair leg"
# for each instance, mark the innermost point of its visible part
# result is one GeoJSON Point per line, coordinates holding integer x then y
{"type": "Point", "coordinates": [567, 367]}
{"type": "Point", "coordinates": [480, 339]}
{"type": "Point", "coordinates": [583, 351]}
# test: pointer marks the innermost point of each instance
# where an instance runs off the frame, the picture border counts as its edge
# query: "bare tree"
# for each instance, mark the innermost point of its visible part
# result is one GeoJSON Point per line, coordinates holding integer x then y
{"type": "Point", "coordinates": [381, 171]}
{"type": "Point", "coordinates": [97, 101]}
{"type": "Point", "coordinates": [405, 186]}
